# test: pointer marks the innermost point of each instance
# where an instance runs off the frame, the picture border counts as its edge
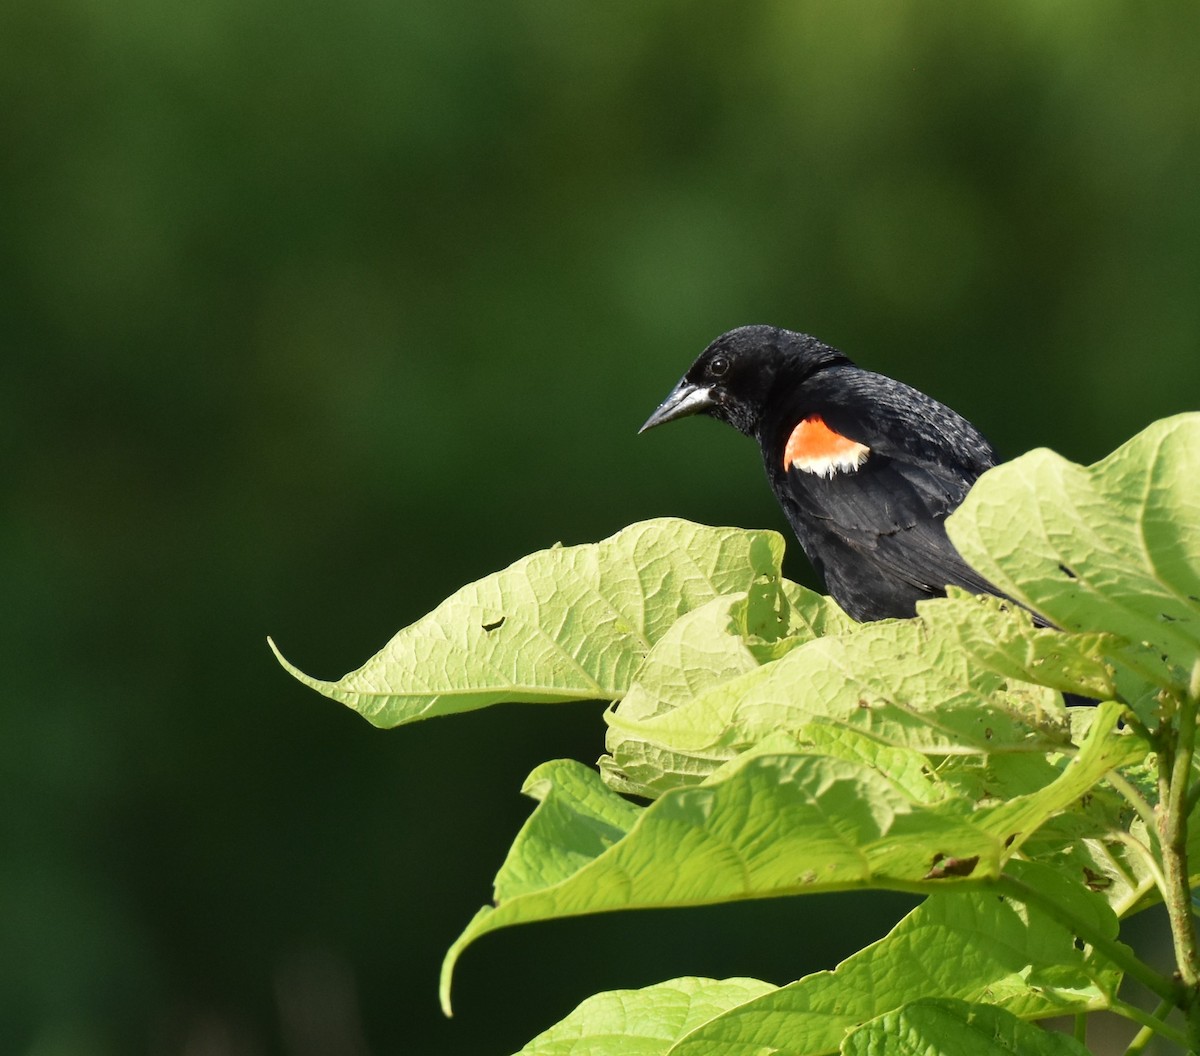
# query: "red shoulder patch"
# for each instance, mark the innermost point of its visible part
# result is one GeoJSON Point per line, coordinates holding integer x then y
{"type": "Point", "coordinates": [815, 448]}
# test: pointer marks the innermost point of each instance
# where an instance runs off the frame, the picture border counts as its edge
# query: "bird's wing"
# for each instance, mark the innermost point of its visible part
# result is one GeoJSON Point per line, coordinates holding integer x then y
{"type": "Point", "coordinates": [902, 423]}
{"type": "Point", "coordinates": [883, 510]}
{"type": "Point", "coordinates": [893, 514]}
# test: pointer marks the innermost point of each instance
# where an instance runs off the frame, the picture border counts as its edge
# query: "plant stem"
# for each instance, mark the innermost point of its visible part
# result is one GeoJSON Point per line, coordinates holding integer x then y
{"type": "Point", "coordinates": [1134, 798]}
{"type": "Point", "coordinates": [1131, 720]}
{"type": "Point", "coordinates": [1116, 952]}
{"type": "Point", "coordinates": [1151, 1024]}
{"type": "Point", "coordinates": [1143, 1037]}
{"type": "Point", "coordinates": [1176, 747]}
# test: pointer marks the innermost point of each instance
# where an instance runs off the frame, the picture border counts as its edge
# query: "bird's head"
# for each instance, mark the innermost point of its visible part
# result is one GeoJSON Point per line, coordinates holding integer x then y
{"type": "Point", "coordinates": [732, 379]}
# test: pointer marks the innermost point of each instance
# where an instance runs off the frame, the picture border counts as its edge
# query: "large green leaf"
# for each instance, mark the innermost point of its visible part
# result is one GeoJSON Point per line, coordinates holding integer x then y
{"type": "Point", "coordinates": [643, 1022]}
{"type": "Point", "coordinates": [1004, 640]}
{"type": "Point", "coordinates": [1112, 548]}
{"type": "Point", "coordinates": [771, 822]}
{"type": "Point", "coordinates": [1029, 967]}
{"type": "Point", "coordinates": [1106, 843]}
{"type": "Point", "coordinates": [902, 682]}
{"type": "Point", "coordinates": [1104, 748]}
{"type": "Point", "coordinates": [568, 623]}
{"type": "Point", "coordinates": [956, 681]}
{"type": "Point", "coordinates": [576, 820]}
{"type": "Point", "coordinates": [969, 945]}
{"type": "Point", "coordinates": [728, 637]}
{"type": "Point", "coordinates": [955, 1028]}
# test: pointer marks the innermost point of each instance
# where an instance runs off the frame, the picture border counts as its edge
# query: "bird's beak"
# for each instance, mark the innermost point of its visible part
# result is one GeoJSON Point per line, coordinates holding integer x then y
{"type": "Point", "coordinates": [686, 398]}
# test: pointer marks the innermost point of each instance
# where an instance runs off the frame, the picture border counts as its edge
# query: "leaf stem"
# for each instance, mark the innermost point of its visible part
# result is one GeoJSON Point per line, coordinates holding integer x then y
{"type": "Point", "coordinates": [1177, 743]}
{"type": "Point", "coordinates": [1121, 955]}
{"type": "Point", "coordinates": [1133, 797]}
{"type": "Point", "coordinates": [1144, 1036]}
{"type": "Point", "coordinates": [1129, 717]}
{"type": "Point", "coordinates": [1151, 1025]}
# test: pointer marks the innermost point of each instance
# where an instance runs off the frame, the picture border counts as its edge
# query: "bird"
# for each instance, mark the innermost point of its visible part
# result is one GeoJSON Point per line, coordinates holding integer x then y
{"type": "Point", "coordinates": [866, 468]}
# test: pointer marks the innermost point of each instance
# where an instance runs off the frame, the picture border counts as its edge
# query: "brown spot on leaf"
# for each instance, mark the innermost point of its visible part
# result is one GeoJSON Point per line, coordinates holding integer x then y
{"type": "Point", "coordinates": [1096, 881]}
{"type": "Point", "coordinates": [944, 867]}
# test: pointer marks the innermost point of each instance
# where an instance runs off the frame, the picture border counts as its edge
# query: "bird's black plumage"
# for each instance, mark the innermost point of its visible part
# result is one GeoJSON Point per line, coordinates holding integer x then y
{"type": "Point", "coordinates": [866, 468]}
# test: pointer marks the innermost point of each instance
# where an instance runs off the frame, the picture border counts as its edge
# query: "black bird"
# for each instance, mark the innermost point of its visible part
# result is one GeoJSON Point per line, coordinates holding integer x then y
{"type": "Point", "coordinates": [866, 468]}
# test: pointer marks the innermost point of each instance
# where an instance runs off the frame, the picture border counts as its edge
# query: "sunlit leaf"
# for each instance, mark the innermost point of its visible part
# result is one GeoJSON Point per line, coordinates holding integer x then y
{"type": "Point", "coordinates": [898, 681]}
{"type": "Point", "coordinates": [766, 824]}
{"type": "Point", "coordinates": [1003, 639]}
{"type": "Point", "coordinates": [728, 637]}
{"type": "Point", "coordinates": [644, 1022]}
{"type": "Point", "coordinates": [955, 1028]}
{"type": "Point", "coordinates": [970, 945]}
{"type": "Point", "coordinates": [568, 623]}
{"type": "Point", "coordinates": [1112, 548]}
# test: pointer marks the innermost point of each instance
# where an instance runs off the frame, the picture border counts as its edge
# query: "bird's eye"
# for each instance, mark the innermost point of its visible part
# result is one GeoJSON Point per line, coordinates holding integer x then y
{"type": "Point", "coordinates": [718, 366]}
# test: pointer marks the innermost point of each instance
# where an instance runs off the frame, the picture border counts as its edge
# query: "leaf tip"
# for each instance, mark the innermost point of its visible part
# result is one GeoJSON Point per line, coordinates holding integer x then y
{"type": "Point", "coordinates": [291, 668]}
{"type": "Point", "coordinates": [444, 996]}
{"type": "Point", "coordinates": [473, 930]}
{"type": "Point", "coordinates": [446, 979]}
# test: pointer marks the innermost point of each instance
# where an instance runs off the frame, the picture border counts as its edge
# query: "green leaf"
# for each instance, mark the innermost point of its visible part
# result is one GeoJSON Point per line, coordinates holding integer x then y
{"type": "Point", "coordinates": [769, 823]}
{"type": "Point", "coordinates": [955, 1028]}
{"type": "Point", "coordinates": [1094, 856]}
{"type": "Point", "coordinates": [944, 685]}
{"type": "Point", "coordinates": [643, 1022]}
{"type": "Point", "coordinates": [576, 820]}
{"type": "Point", "coordinates": [568, 623]}
{"type": "Point", "coordinates": [1029, 966]}
{"type": "Point", "coordinates": [766, 825]}
{"type": "Point", "coordinates": [969, 945]}
{"type": "Point", "coordinates": [901, 682]}
{"type": "Point", "coordinates": [719, 641]}
{"type": "Point", "coordinates": [1075, 900]}
{"type": "Point", "coordinates": [1113, 547]}
{"type": "Point", "coordinates": [1104, 748]}
{"type": "Point", "coordinates": [1003, 639]}
{"type": "Point", "coordinates": [908, 770]}
{"type": "Point", "coordinates": [1105, 843]}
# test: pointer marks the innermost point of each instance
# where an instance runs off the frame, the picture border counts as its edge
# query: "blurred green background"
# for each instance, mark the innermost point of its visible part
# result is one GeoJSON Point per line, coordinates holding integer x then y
{"type": "Point", "coordinates": [314, 312]}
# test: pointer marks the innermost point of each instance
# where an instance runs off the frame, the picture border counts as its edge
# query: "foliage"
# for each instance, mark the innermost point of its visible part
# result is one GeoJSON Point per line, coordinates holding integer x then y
{"type": "Point", "coordinates": [783, 749]}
